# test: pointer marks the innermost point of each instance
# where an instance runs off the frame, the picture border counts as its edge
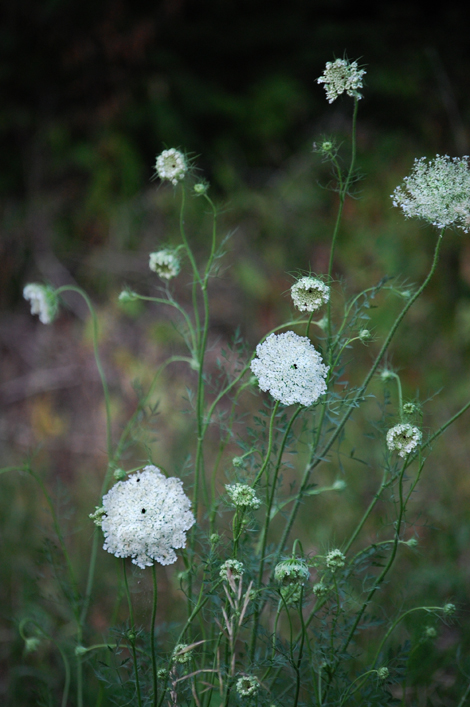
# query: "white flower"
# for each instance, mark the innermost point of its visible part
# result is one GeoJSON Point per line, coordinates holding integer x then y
{"type": "Point", "coordinates": [437, 191]}
{"type": "Point", "coordinates": [43, 301]}
{"type": "Point", "coordinates": [309, 293]}
{"type": "Point", "coordinates": [247, 686]}
{"type": "Point", "coordinates": [340, 76]}
{"type": "Point", "coordinates": [171, 165]}
{"type": "Point", "coordinates": [292, 571]}
{"type": "Point", "coordinates": [146, 517]}
{"type": "Point", "coordinates": [243, 496]}
{"type": "Point", "coordinates": [403, 438]}
{"type": "Point", "coordinates": [165, 263]}
{"type": "Point", "coordinates": [290, 368]}
{"type": "Point", "coordinates": [231, 569]}
{"type": "Point", "coordinates": [335, 559]}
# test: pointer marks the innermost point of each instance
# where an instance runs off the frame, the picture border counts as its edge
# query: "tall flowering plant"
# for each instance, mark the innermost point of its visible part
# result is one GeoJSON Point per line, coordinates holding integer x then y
{"type": "Point", "coordinates": [266, 621]}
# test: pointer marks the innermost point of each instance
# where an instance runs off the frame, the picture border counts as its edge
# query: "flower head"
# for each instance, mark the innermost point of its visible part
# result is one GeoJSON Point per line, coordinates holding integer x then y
{"type": "Point", "coordinates": [43, 301]}
{"type": "Point", "coordinates": [182, 653]}
{"type": "Point", "coordinates": [292, 571]}
{"type": "Point", "coordinates": [247, 686]}
{"type": "Point", "coordinates": [335, 559]}
{"type": "Point", "coordinates": [320, 589]}
{"type": "Point", "coordinates": [403, 438]}
{"type": "Point", "coordinates": [165, 263]}
{"type": "Point", "coordinates": [290, 368]}
{"type": "Point", "coordinates": [146, 517]}
{"type": "Point", "coordinates": [383, 673]}
{"type": "Point", "coordinates": [309, 293]}
{"type": "Point", "coordinates": [171, 165]}
{"type": "Point", "coordinates": [243, 496]}
{"type": "Point", "coordinates": [231, 569]}
{"type": "Point", "coordinates": [341, 76]}
{"type": "Point", "coordinates": [437, 191]}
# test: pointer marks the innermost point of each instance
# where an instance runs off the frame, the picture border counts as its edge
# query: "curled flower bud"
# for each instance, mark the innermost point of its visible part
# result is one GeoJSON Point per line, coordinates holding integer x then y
{"type": "Point", "coordinates": [171, 165]}
{"type": "Point", "coordinates": [80, 650]}
{"type": "Point", "coordinates": [291, 594]}
{"type": "Point", "coordinates": [412, 542]}
{"type": "Point", "coordinates": [430, 632]}
{"type": "Point", "coordinates": [292, 571]}
{"type": "Point", "coordinates": [383, 673]}
{"type": "Point", "coordinates": [44, 301]}
{"type": "Point", "coordinates": [320, 589]}
{"type": "Point", "coordinates": [339, 485]}
{"type": "Point", "coordinates": [243, 496]}
{"type": "Point", "coordinates": [309, 294]}
{"type": "Point", "coordinates": [214, 538]}
{"type": "Point", "coordinates": [119, 474]}
{"type": "Point", "coordinates": [365, 335]}
{"type": "Point", "coordinates": [182, 653]}
{"type": "Point", "coordinates": [238, 462]}
{"type": "Point", "coordinates": [449, 609]}
{"type": "Point", "coordinates": [404, 439]}
{"type": "Point", "coordinates": [231, 569]}
{"type": "Point", "coordinates": [335, 560]}
{"type": "Point", "coordinates": [31, 644]}
{"type": "Point", "coordinates": [127, 296]}
{"type": "Point", "coordinates": [247, 686]}
{"type": "Point", "coordinates": [410, 408]}
{"type": "Point", "coordinates": [201, 188]}
{"type": "Point", "coordinates": [165, 263]}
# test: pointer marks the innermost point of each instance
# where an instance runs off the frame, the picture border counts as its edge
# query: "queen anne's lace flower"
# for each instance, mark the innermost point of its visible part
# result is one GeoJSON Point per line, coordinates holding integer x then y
{"type": "Point", "coordinates": [247, 686]}
{"type": "Point", "coordinates": [231, 569]}
{"type": "Point", "coordinates": [437, 191]}
{"type": "Point", "coordinates": [243, 496]}
{"type": "Point", "coordinates": [146, 517]}
{"type": "Point", "coordinates": [309, 293]}
{"type": "Point", "coordinates": [290, 368]}
{"type": "Point", "coordinates": [403, 438]}
{"type": "Point", "coordinates": [335, 559]}
{"type": "Point", "coordinates": [171, 165]}
{"type": "Point", "coordinates": [43, 301]}
{"type": "Point", "coordinates": [292, 571]}
{"type": "Point", "coordinates": [341, 76]}
{"type": "Point", "coordinates": [165, 263]}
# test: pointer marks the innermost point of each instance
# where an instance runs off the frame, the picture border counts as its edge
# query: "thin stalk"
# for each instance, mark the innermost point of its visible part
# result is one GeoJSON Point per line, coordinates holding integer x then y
{"type": "Point", "coordinates": [132, 640]}
{"type": "Point", "coordinates": [152, 635]}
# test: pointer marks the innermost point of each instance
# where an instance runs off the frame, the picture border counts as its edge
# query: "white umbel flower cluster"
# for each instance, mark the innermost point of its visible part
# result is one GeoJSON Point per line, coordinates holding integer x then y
{"type": "Point", "coordinates": [165, 263]}
{"type": "Point", "coordinates": [146, 517]}
{"type": "Point", "coordinates": [243, 496]}
{"type": "Point", "coordinates": [231, 569]}
{"type": "Point", "coordinates": [290, 368]}
{"type": "Point", "coordinates": [247, 686]}
{"type": "Point", "coordinates": [335, 559]}
{"type": "Point", "coordinates": [437, 191]}
{"type": "Point", "coordinates": [171, 165]}
{"type": "Point", "coordinates": [403, 438]}
{"type": "Point", "coordinates": [292, 571]}
{"type": "Point", "coordinates": [309, 294]}
{"type": "Point", "coordinates": [43, 301]}
{"type": "Point", "coordinates": [341, 76]}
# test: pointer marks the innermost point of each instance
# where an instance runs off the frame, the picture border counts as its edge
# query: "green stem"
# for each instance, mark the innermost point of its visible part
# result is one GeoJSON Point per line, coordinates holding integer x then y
{"type": "Point", "coordinates": [152, 636]}
{"type": "Point", "coordinates": [132, 628]}
{"type": "Point", "coordinates": [270, 445]}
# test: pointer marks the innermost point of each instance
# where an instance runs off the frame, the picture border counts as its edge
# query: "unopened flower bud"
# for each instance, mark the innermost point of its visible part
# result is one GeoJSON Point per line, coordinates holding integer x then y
{"type": "Point", "coordinates": [119, 474]}
{"type": "Point", "coordinates": [80, 650]}
{"type": "Point", "coordinates": [365, 335]}
{"type": "Point", "coordinates": [449, 609]}
{"type": "Point", "coordinates": [31, 644]}
{"type": "Point", "coordinates": [383, 673]}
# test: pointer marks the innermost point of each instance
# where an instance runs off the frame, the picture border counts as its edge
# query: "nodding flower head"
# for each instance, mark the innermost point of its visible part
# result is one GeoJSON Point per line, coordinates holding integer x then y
{"type": "Point", "coordinates": [44, 301]}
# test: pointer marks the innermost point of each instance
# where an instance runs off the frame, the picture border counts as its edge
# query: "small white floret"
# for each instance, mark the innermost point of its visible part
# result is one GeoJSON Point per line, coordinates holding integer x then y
{"type": "Point", "coordinates": [404, 439]}
{"type": "Point", "coordinates": [342, 76]}
{"type": "Point", "coordinates": [290, 368]}
{"type": "Point", "coordinates": [171, 165]}
{"type": "Point", "coordinates": [146, 517]}
{"type": "Point", "coordinates": [309, 294]}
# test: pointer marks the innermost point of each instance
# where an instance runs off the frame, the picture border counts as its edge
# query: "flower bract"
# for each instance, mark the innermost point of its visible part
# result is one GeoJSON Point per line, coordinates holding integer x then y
{"type": "Point", "coordinates": [291, 369]}
{"type": "Point", "coordinates": [437, 191]}
{"type": "Point", "coordinates": [146, 517]}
